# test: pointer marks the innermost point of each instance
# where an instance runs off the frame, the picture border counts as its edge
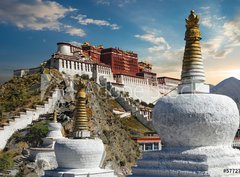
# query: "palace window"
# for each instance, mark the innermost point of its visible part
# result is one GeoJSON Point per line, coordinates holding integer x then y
{"type": "Point", "coordinates": [63, 63]}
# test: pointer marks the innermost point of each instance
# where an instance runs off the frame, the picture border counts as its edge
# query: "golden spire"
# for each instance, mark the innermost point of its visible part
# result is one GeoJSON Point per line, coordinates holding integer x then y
{"type": "Point", "coordinates": [54, 116]}
{"type": "Point", "coordinates": [192, 68]}
{"type": "Point", "coordinates": [81, 122]}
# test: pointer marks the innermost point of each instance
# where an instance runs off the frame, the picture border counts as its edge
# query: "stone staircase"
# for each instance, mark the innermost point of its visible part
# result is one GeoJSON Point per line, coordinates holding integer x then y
{"type": "Point", "coordinates": [127, 104]}
{"type": "Point", "coordinates": [26, 118]}
{"type": "Point", "coordinates": [184, 163]}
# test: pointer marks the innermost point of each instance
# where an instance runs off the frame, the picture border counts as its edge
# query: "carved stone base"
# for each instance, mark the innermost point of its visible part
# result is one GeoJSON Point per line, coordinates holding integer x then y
{"type": "Point", "coordinates": [60, 172]}
{"type": "Point", "coordinates": [186, 162]}
{"type": "Point", "coordinates": [193, 88]}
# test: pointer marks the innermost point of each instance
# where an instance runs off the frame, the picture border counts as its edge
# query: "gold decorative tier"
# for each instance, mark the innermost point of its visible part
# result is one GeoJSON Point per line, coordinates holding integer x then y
{"type": "Point", "coordinates": [192, 68]}
{"type": "Point", "coordinates": [81, 122]}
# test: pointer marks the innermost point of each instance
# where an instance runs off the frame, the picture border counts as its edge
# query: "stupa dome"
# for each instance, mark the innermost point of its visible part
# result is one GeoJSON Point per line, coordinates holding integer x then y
{"type": "Point", "coordinates": [79, 153]}
{"type": "Point", "coordinates": [196, 120]}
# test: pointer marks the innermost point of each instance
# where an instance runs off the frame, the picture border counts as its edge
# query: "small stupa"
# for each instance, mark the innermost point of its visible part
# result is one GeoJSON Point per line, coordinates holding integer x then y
{"type": "Point", "coordinates": [83, 155]}
{"type": "Point", "coordinates": [45, 154]}
{"type": "Point", "coordinates": [197, 128]}
{"type": "Point", "coordinates": [54, 133]}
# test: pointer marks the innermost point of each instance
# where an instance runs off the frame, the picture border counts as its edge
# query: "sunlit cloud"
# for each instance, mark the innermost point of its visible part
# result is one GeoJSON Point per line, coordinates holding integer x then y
{"type": "Point", "coordinates": [84, 20]}
{"type": "Point", "coordinates": [35, 15]}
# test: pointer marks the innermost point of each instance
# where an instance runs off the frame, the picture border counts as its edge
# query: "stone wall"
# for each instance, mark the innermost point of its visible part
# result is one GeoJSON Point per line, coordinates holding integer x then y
{"type": "Point", "coordinates": [127, 105]}
{"type": "Point", "coordinates": [93, 70]}
{"type": "Point", "coordinates": [26, 118]}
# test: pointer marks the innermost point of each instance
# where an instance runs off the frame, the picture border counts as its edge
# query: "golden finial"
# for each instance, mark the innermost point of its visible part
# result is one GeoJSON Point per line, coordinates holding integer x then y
{"type": "Point", "coordinates": [192, 26]}
{"type": "Point", "coordinates": [81, 122]}
{"type": "Point", "coordinates": [192, 20]}
{"type": "Point", "coordinates": [54, 116]}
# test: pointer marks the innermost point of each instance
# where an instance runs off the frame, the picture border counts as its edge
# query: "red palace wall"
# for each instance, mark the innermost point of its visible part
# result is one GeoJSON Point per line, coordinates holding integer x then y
{"type": "Point", "coordinates": [121, 62]}
{"type": "Point", "coordinates": [93, 52]}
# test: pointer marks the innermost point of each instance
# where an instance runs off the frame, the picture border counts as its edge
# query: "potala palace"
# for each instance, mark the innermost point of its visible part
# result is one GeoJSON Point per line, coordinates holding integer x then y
{"type": "Point", "coordinates": [110, 66]}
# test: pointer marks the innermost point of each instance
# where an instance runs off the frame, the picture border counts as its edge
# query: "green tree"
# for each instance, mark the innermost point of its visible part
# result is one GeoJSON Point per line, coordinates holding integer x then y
{"type": "Point", "coordinates": [36, 133]}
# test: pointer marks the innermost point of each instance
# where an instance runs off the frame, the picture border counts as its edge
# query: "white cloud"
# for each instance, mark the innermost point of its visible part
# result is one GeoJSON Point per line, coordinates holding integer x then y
{"type": "Point", "coordinates": [35, 15]}
{"type": "Point", "coordinates": [103, 2]}
{"type": "Point", "coordinates": [159, 42]}
{"type": "Point", "coordinates": [226, 34]}
{"type": "Point", "coordinates": [208, 19]}
{"type": "Point", "coordinates": [83, 20]}
{"type": "Point", "coordinates": [164, 58]}
{"type": "Point", "coordinates": [74, 31]}
{"type": "Point", "coordinates": [119, 3]}
{"type": "Point", "coordinates": [75, 43]}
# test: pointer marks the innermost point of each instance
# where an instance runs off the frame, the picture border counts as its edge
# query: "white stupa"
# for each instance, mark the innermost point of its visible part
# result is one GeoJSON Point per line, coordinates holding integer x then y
{"type": "Point", "coordinates": [83, 155]}
{"type": "Point", "coordinates": [196, 128]}
{"type": "Point", "coordinates": [54, 133]}
{"type": "Point", "coordinates": [45, 154]}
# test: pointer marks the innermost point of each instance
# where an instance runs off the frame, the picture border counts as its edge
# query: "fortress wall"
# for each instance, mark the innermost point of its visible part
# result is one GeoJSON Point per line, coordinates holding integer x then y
{"type": "Point", "coordinates": [128, 106]}
{"type": "Point", "coordinates": [26, 118]}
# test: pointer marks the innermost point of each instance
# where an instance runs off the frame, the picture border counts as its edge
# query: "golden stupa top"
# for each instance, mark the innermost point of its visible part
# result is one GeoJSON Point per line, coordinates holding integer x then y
{"type": "Point", "coordinates": [192, 20]}
{"type": "Point", "coordinates": [82, 93]}
{"type": "Point", "coordinates": [192, 26]}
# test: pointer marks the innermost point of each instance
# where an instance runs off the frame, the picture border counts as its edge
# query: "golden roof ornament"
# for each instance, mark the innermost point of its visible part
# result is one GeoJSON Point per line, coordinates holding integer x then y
{"type": "Point", "coordinates": [81, 122]}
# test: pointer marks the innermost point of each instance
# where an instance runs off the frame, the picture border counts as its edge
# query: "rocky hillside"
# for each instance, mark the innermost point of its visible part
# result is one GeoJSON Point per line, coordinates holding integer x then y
{"type": "Point", "coordinates": [116, 132]}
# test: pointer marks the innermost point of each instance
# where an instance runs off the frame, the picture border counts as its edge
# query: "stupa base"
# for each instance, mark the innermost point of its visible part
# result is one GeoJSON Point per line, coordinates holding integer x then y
{"type": "Point", "coordinates": [212, 161]}
{"type": "Point", "coordinates": [59, 172]}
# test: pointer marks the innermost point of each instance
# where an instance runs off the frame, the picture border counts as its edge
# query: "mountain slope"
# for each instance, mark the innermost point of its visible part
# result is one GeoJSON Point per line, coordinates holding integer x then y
{"type": "Point", "coordinates": [229, 87]}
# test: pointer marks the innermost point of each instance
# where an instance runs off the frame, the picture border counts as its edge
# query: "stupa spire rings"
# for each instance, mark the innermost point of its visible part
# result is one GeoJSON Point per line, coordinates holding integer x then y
{"type": "Point", "coordinates": [81, 122]}
{"type": "Point", "coordinates": [193, 76]}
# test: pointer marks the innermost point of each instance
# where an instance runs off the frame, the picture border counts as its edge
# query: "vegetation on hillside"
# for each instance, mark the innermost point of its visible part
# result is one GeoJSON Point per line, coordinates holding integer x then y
{"type": "Point", "coordinates": [24, 92]}
{"type": "Point", "coordinates": [17, 92]}
{"type": "Point", "coordinates": [6, 161]}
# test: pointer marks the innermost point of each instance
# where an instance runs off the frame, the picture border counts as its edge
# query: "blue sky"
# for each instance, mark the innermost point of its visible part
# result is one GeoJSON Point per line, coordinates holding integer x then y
{"type": "Point", "coordinates": [154, 29]}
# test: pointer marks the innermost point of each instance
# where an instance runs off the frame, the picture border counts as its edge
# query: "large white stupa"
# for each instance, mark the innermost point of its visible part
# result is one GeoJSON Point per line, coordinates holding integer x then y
{"type": "Point", "coordinates": [83, 155]}
{"type": "Point", "coordinates": [197, 128]}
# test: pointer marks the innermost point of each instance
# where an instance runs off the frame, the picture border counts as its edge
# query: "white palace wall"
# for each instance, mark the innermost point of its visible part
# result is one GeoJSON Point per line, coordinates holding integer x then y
{"type": "Point", "coordinates": [138, 88]}
{"type": "Point", "coordinates": [95, 71]}
{"type": "Point", "coordinates": [26, 118]}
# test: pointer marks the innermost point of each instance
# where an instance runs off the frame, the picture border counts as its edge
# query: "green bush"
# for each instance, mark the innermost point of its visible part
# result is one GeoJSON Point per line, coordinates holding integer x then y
{"type": "Point", "coordinates": [144, 103]}
{"type": "Point", "coordinates": [6, 161]}
{"type": "Point", "coordinates": [36, 133]}
{"type": "Point", "coordinates": [85, 77]}
{"type": "Point", "coordinates": [151, 105]}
